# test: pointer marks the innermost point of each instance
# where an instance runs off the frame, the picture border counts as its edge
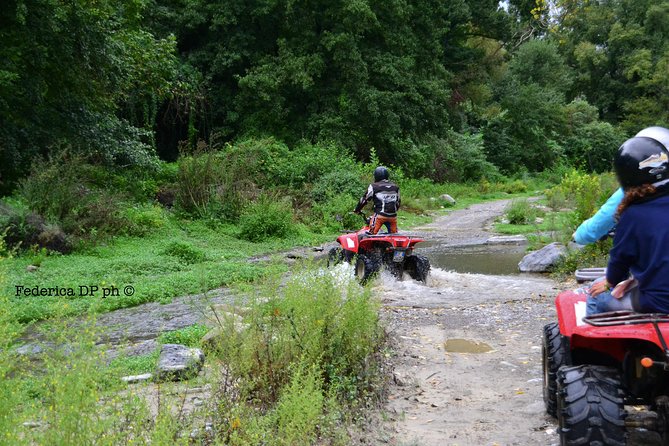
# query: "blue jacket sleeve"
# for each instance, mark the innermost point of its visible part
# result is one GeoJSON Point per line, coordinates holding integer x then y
{"type": "Point", "coordinates": [601, 223]}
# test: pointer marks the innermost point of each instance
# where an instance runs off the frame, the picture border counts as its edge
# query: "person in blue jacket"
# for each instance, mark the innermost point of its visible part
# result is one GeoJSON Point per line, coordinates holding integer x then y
{"type": "Point", "coordinates": [603, 221]}
{"type": "Point", "coordinates": [637, 275]}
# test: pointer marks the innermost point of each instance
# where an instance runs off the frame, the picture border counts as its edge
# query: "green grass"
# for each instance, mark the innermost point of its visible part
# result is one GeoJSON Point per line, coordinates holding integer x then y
{"type": "Point", "coordinates": [187, 257]}
{"type": "Point", "coordinates": [182, 258]}
{"type": "Point", "coordinates": [552, 222]}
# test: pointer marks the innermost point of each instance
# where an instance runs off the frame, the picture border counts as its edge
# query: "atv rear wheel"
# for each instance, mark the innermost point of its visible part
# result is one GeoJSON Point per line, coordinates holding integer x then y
{"type": "Point", "coordinates": [366, 267]}
{"type": "Point", "coordinates": [555, 354]}
{"type": "Point", "coordinates": [339, 255]}
{"type": "Point", "coordinates": [590, 406]}
{"type": "Point", "coordinates": [418, 267]}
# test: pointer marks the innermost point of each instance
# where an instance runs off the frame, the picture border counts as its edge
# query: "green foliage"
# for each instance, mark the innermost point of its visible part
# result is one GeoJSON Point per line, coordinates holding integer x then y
{"type": "Point", "coordinates": [189, 336]}
{"type": "Point", "coordinates": [68, 74]}
{"type": "Point", "coordinates": [521, 212]}
{"type": "Point", "coordinates": [620, 55]}
{"type": "Point", "coordinates": [591, 256]}
{"type": "Point", "coordinates": [266, 218]}
{"type": "Point", "coordinates": [185, 252]}
{"type": "Point", "coordinates": [590, 144]}
{"type": "Point", "coordinates": [338, 182]}
{"type": "Point", "coordinates": [299, 409]}
{"type": "Point", "coordinates": [334, 215]}
{"type": "Point", "coordinates": [313, 345]}
{"type": "Point", "coordinates": [532, 96]}
{"type": "Point", "coordinates": [584, 191]}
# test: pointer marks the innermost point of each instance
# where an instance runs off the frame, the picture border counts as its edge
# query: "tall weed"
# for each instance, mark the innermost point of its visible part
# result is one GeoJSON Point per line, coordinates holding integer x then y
{"type": "Point", "coordinates": [266, 218]}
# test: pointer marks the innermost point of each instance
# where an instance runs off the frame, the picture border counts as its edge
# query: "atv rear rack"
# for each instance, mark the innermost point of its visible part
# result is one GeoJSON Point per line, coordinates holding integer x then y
{"type": "Point", "coordinates": [625, 318]}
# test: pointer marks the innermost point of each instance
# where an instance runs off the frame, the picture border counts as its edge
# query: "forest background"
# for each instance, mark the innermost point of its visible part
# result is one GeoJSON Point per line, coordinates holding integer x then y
{"type": "Point", "coordinates": [163, 143]}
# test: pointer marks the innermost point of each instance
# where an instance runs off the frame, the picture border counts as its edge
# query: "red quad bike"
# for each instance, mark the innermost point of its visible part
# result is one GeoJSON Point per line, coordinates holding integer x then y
{"type": "Point", "coordinates": [372, 252]}
{"type": "Point", "coordinates": [606, 377]}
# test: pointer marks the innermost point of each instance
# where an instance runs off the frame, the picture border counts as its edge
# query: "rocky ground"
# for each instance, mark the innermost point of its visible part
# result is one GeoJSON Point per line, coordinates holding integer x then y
{"type": "Point", "coordinates": [467, 361]}
{"type": "Point", "coordinates": [467, 369]}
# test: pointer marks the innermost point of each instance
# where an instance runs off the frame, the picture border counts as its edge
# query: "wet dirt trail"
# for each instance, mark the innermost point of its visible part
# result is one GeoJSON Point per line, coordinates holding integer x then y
{"type": "Point", "coordinates": [468, 367]}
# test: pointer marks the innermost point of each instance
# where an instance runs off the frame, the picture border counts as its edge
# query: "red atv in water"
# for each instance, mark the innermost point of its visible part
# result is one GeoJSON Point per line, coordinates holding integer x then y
{"type": "Point", "coordinates": [606, 377]}
{"type": "Point", "coordinates": [372, 252]}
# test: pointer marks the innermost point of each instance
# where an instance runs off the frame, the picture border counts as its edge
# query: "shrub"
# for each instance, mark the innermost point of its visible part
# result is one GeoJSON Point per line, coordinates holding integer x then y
{"type": "Point", "coordinates": [142, 219]}
{"type": "Point", "coordinates": [338, 182]}
{"type": "Point", "coordinates": [334, 214]}
{"type": "Point", "coordinates": [60, 191]}
{"type": "Point", "coordinates": [299, 409]}
{"type": "Point", "coordinates": [198, 181]}
{"type": "Point", "coordinates": [214, 184]}
{"type": "Point", "coordinates": [585, 192]}
{"type": "Point", "coordinates": [189, 336]}
{"type": "Point", "coordinates": [266, 218]}
{"type": "Point", "coordinates": [521, 212]}
{"type": "Point", "coordinates": [185, 252]}
{"type": "Point", "coordinates": [23, 229]}
{"type": "Point", "coordinates": [514, 187]}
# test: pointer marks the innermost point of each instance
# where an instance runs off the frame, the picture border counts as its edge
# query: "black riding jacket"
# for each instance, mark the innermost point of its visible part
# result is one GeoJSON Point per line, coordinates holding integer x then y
{"type": "Point", "coordinates": [386, 198]}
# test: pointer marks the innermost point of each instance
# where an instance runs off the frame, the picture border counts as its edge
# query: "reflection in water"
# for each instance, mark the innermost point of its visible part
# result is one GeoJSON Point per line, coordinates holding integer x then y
{"type": "Point", "coordinates": [480, 259]}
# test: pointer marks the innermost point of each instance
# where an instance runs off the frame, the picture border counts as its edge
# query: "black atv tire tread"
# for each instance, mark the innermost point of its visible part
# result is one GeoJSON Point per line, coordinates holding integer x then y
{"type": "Point", "coordinates": [555, 352]}
{"type": "Point", "coordinates": [338, 255]}
{"type": "Point", "coordinates": [335, 256]}
{"type": "Point", "coordinates": [590, 406]}
{"type": "Point", "coordinates": [370, 265]}
{"type": "Point", "coordinates": [418, 267]}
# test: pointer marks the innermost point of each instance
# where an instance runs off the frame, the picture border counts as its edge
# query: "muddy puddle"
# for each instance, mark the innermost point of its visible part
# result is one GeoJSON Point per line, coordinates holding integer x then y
{"type": "Point", "coordinates": [466, 346]}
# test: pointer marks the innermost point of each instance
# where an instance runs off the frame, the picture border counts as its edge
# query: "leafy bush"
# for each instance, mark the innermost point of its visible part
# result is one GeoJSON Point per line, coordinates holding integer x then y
{"type": "Point", "coordinates": [266, 218]}
{"type": "Point", "coordinates": [585, 192]}
{"type": "Point", "coordinates": [60, 191]}
{"type": "Point", "coordinates": [22, 229]}
{"type": "Point", "coordinates": [189, 336]}
{"type": "Point", "coordinates": [457, 157]}
{"type": "Point", "coordinates": [521, 212]}
{"type": "Point", "coordinates": [197, 183]}
{"type": "Point", "coordinates": [337, 182]}
{"type": "Point", "coordinates": [514, 187]}
{"type": "Point", "coordinates": [334, 215]}
{"type": "Point", "coordinates": [315, 341]}
{"type": "Point", "coordinates": [185, 252]}
{"type": "Point", "coordinates": [143, 219]}
{"type": "Point", "coordinates": [592, 255]}
{"type": "Point", "coordinates": [299, 409]}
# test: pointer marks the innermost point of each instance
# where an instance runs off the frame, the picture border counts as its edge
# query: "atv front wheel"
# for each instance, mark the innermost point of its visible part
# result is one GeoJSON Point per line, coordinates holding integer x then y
{"type": "Point", "coordinates": [418, 267]}
{"type": "Point", "coordinates": [365, 268]}
{"type": "Point", "coordinates": [555, 354]}
{"type": "Point", "coordinates": [590, 406]}
{"type": "Point", "coordinates": [338, 255]}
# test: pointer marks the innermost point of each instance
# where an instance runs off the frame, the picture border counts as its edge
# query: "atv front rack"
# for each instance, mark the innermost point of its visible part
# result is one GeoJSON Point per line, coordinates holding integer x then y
{"type": "Point", "coordinates": [625, 318]}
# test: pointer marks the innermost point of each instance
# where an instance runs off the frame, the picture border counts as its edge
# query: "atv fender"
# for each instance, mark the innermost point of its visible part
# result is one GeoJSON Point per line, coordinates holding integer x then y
{"type": "Point", "coordinates": [611, 340]}
{"type": "Point", "coordinates": [349, 242]}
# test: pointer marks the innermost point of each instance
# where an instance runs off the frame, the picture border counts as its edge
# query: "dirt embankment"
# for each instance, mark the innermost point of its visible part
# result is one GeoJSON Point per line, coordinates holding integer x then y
{"type": "Point", "coordinates": [468, 366]}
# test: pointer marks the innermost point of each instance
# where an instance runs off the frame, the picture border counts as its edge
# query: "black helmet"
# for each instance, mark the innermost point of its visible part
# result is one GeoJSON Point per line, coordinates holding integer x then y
{"type": "Point", "coordinates": [641, 160]}
{"type": "Point", "coordinates": [381, 173]}
{"type": "Point", "coordinates": [659, 134]}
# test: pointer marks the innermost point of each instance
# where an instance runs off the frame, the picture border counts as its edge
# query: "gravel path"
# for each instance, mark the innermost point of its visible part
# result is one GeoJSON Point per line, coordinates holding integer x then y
{"type": "Point", "coordinates": [448, 390]}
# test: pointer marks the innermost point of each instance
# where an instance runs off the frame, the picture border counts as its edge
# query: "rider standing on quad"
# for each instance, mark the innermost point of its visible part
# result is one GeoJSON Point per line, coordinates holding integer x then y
{"type": "Point", "coordinates": [642, 233]}
{"type": "Point", "coordinates": [386, 195]}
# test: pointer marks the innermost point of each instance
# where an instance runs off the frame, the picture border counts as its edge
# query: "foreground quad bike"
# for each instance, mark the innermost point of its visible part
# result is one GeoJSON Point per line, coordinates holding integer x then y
{"type": "Point", "coordinates": [369, 253]}
{"type": "Point", "coordinates": [606, 377]}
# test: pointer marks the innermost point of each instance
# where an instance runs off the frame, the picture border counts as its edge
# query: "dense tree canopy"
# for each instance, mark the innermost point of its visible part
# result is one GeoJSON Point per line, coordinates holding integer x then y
{"type": "Point", "coordinates": [416, 82]}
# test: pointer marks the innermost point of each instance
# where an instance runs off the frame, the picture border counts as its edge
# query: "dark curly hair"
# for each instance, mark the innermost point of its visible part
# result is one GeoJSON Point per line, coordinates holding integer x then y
{"type": "Point", "coordinates": [634, 194]}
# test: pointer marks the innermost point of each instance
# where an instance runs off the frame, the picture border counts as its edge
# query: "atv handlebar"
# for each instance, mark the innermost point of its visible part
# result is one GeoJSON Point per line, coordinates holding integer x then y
{"type": "Point", "coordinates": [364, 216]}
